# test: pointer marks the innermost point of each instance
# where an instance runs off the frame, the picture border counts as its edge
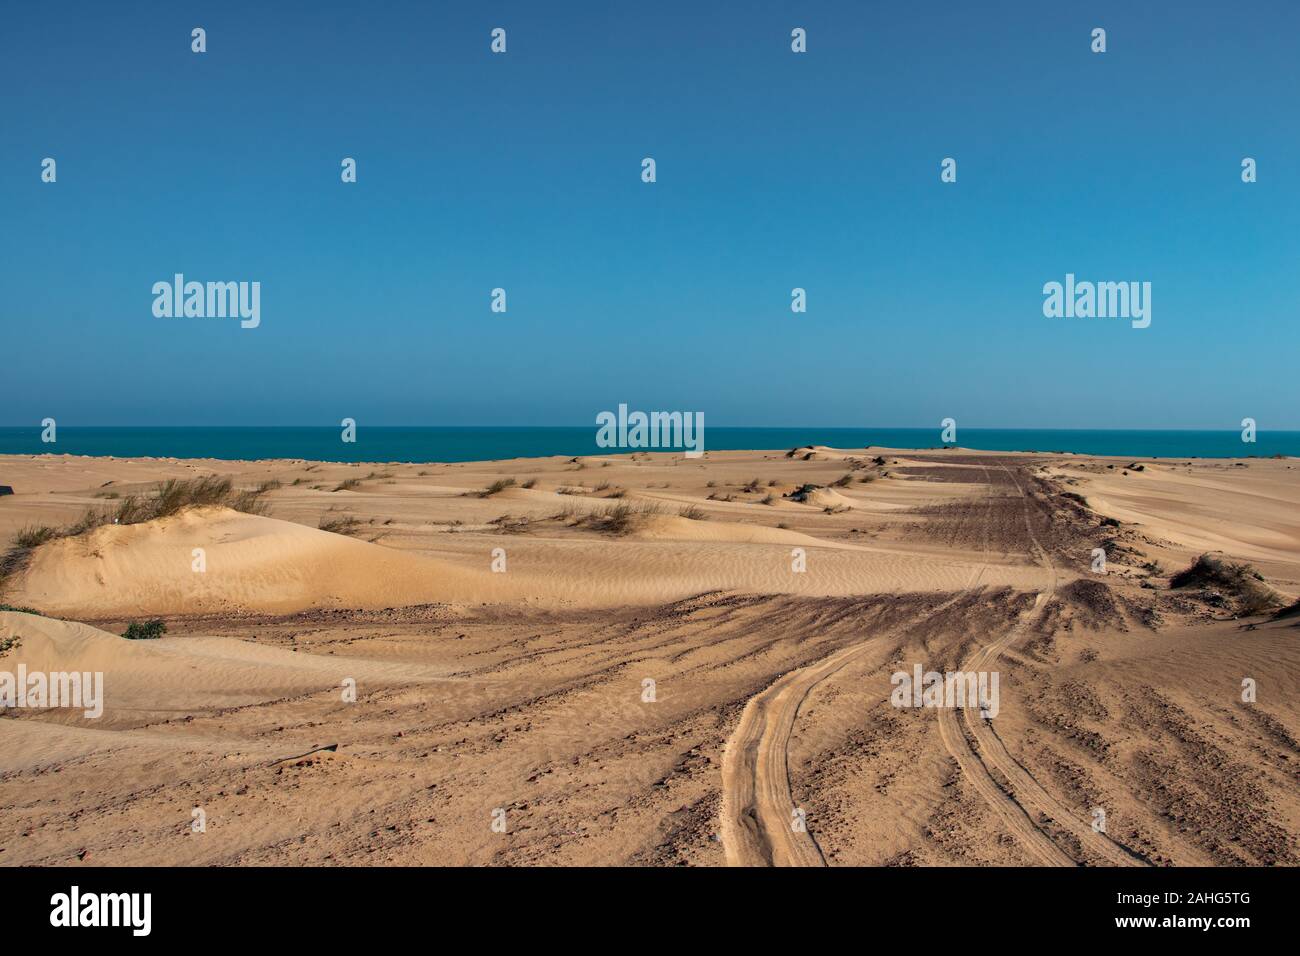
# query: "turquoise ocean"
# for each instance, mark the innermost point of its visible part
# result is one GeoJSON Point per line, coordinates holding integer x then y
{"type": "Point", "coordinates": [449, 444]}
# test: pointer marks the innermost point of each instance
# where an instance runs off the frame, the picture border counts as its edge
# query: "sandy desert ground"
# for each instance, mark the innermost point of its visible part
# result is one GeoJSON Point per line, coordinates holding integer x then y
{"type": "Point", "coordinates": [506, 716]}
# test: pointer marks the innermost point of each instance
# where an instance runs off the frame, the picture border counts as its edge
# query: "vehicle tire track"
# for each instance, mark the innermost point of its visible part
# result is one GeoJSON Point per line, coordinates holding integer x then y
{"type": "Point", "coordinates": [758, 812]}
{"type": "Point", "coordinates": [1013, 815]}
{"type": "Point", "coordinates": [1028, 791]}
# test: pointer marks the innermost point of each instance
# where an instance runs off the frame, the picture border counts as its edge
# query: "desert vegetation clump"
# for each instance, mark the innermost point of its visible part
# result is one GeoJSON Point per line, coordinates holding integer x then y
{"type": "Point", "coordinates": [175, 495]}
{"type": "Point", "coordinates": [1227, 583]}
{"type": "Point", "coordinates": [619, 519]}
{"type": "Point", "coordinates": [33, 536]}
{"type": "Point", "coordinates": [145, 630]}
{"type": "Point", "coordinates": [803, 492]}
{"type": "Point", "coordinates": [20, 610]}
{"type": "Point", "coordinates": [169, 498]}
{"type": "Point", "coordinates": [336, 523]}
{"type": "Point", "coordinates": [501, 484]}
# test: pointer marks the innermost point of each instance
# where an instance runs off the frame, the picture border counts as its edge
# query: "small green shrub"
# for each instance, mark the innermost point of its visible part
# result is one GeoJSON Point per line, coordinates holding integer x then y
{"type": "Point", "coordinates": [145, 631]}
{"type": "Point", "coordinates": [21, 610]}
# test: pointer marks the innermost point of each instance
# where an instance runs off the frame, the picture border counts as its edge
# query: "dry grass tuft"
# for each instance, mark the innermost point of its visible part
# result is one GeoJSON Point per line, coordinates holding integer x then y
{"type": "Point", "coordinates": [501, 484]}
{"type": "Point", "coordinates": [1226, 581]}
{"type": "Point", "coordinates": [171, 497]}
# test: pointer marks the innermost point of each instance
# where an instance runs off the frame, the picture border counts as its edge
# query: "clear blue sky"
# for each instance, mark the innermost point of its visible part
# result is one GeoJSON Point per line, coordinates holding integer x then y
{"type": "Point", "coordinates": [775, 170]}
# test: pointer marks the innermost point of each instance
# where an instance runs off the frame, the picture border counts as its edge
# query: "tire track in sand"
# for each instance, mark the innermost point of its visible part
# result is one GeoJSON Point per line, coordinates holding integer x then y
{"type": "Point", "coordinates": [757, 809]}
{"type": "Point", "coordinates": [1029, 793]}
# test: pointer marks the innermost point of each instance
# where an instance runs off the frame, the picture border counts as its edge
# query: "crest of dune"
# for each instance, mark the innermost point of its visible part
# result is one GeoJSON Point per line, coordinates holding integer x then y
{"type": "Point", "coordinates": [253, 563]}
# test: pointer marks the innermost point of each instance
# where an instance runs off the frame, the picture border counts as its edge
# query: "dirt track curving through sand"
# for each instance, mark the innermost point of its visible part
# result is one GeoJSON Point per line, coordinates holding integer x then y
{"type": "Point", "coordinates": [758, 813]}
{"type": "Point", "coordinates": [973, 768]}
{"type": "Point", "coordinates": [1028, 793]}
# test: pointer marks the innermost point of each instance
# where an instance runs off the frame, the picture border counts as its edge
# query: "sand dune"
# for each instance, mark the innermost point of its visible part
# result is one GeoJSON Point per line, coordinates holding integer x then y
{"type": "Point", "coordinates": [830, 498]}
{"type": "Point", "coordinates": [151, 680]}
{"type": "Point", "coordinates": [1248, 509]}
{"type": "Point", "coordinates": [252, 563]}
{"type": "Point", "coordinates": [263, 565]}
